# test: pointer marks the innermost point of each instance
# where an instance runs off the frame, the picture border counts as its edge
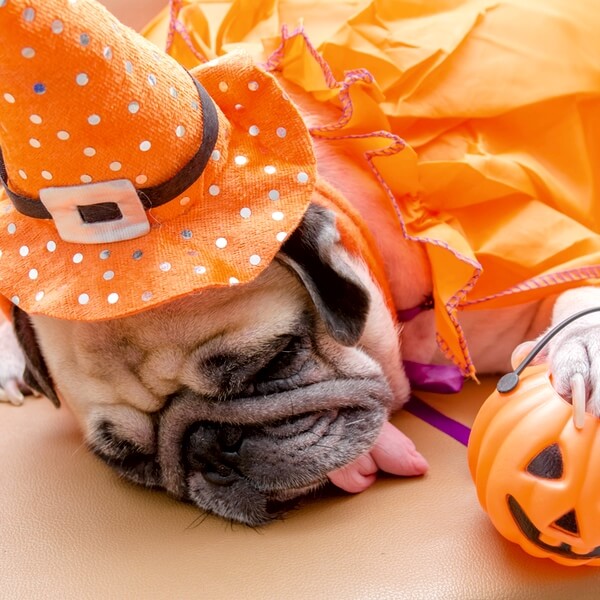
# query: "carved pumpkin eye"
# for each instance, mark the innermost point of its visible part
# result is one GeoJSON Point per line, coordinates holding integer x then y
{"type": "Point", "coordinates": [548, 464]}
{"type": "Point", "coordinates": [568, 523]}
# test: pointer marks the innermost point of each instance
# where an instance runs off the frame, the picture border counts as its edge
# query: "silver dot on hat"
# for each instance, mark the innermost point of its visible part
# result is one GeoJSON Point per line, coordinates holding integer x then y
{"type": "Point", "coordinates": [57, 26]}
{"type": "Point", "coordinates": [29, 14]}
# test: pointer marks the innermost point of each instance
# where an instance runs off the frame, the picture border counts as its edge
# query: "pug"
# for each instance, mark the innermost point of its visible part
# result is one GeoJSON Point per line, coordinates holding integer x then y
{"type": "Point", "coordinates": [242, 400]}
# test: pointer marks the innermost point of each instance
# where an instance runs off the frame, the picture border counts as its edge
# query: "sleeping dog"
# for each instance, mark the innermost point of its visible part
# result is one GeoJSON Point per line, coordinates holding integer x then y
{"type": "Point", "coordinates": [242, 399]}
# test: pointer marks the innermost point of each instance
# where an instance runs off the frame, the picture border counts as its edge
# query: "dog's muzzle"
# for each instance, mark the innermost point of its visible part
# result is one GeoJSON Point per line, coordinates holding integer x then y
{"type": "Point", "coordinates": [242, 457]}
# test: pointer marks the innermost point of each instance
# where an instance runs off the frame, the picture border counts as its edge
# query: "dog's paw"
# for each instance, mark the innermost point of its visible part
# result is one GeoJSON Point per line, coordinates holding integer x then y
{"type": "Point", "coordinates": [393, 453]}
{"type": "Point", "coordinates": [575, 351]}
{"type": "Point", "coordinates": [12, 365]}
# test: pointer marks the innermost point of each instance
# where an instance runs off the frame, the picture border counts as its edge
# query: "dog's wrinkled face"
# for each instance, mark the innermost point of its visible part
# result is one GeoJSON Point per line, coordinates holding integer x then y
{"type": "Point", "coordinates": [236, 399]}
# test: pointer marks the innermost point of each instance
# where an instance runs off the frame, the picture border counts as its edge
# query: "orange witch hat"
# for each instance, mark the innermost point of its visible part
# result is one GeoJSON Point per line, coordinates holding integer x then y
{"type": "Point", "coordinates": [130, 181]}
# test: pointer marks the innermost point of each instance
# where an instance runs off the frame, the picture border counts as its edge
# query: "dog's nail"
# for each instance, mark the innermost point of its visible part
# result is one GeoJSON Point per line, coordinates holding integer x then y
{"type": "Point", "coordinates": [13, 392]}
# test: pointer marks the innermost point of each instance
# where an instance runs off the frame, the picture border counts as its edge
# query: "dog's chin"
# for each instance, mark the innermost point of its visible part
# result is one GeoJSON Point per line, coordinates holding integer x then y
{"type": "Point", "coordinates": [276, 464]}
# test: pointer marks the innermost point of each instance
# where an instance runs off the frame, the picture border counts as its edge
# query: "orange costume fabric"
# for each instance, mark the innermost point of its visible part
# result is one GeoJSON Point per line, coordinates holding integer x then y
{"type": "Point", "coordinates": [481, 118]}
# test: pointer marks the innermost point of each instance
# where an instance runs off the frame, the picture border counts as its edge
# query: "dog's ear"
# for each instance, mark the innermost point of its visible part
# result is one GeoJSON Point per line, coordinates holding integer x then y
{"type": "Point", "coordinates": [339, 296]}
{"type": "Point", "coordinates": [36, 374]}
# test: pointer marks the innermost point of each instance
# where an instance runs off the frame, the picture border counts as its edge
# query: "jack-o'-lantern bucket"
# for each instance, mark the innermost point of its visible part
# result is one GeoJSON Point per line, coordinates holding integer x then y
{"type": "Point", "coordinates": [535, 461]}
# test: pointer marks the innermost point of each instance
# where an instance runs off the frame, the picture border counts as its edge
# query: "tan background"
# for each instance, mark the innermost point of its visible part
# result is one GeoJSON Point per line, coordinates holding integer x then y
{"type": "Point", "coordinates": [69, 528]}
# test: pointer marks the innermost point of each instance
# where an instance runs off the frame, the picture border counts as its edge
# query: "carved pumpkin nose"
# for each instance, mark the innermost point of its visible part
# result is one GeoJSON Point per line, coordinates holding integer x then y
{"type": "Point", "coordinates": [568, 523]}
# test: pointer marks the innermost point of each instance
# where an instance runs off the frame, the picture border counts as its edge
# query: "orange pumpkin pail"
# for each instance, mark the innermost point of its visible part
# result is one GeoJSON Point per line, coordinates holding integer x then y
{"type": "Point", "coordinates": [537, 473]}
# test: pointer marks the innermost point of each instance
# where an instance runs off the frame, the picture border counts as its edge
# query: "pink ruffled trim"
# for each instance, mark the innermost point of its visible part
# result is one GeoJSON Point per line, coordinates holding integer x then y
{"type": "Point", "coordinates": [543, 281]}
{"type": "Point", "coordinates": [397, 144]}
{"type": "Point", "coordinates": [176, 26]}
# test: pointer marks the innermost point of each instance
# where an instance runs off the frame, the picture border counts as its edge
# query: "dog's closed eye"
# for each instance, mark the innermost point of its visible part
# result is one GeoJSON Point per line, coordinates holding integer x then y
{"type": "Point", "coordinates": [288, 360]}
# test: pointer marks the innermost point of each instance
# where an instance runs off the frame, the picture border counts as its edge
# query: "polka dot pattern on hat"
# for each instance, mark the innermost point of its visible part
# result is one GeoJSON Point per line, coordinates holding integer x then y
{"type": "Point", "coordinates": [221, 231]}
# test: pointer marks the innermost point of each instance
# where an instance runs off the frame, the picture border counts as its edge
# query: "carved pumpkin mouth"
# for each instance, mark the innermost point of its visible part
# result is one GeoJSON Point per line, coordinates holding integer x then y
{"type": "Point", "coordinates": [532, 533]}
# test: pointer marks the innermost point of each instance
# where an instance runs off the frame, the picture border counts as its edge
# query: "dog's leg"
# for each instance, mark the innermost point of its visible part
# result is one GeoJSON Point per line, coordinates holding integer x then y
{"type": "Point", "coordinates": [12, 367]}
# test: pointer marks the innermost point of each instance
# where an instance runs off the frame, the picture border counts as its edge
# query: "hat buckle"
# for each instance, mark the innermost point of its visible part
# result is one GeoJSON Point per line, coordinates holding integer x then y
{"type": "Point", "coordinates": [96, 213]}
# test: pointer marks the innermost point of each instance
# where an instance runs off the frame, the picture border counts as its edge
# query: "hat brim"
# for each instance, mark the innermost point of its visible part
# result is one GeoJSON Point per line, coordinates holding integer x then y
{"type": "Point", "coordinates": [223, 230]}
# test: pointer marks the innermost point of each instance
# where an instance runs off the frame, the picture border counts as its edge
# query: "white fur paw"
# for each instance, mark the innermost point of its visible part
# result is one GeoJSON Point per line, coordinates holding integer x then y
{"type": "Point", "coordinates": [576, 350]}
{"type": "Point", "coordinates": [12, 366]}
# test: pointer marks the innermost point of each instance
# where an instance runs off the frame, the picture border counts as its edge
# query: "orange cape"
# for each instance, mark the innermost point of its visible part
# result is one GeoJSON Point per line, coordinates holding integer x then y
{"type": "Point", "coordinates": [498, 104]}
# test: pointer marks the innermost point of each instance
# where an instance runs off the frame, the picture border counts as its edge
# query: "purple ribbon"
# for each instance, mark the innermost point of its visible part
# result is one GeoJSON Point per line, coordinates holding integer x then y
{"type": "Point", "coordinates": [440, 379]}
{"type": "Point", "coordinates": [415, 406]}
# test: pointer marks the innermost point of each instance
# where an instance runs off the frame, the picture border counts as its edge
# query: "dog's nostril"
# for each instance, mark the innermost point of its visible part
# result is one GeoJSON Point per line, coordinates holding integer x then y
{"type": "Point", "coordinates": [230, 438]}
{"type": "Point", "coordinates": [218, 474]}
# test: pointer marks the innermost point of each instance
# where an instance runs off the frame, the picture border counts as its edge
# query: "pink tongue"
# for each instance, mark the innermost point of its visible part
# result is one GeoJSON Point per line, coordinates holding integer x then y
{"type": "Point", "coordinates": [393, 453]}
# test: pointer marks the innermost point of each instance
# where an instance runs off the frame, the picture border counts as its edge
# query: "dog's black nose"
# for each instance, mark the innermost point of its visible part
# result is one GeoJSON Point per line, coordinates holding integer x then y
{"type": "Point", "coordinates": [212, 449]}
